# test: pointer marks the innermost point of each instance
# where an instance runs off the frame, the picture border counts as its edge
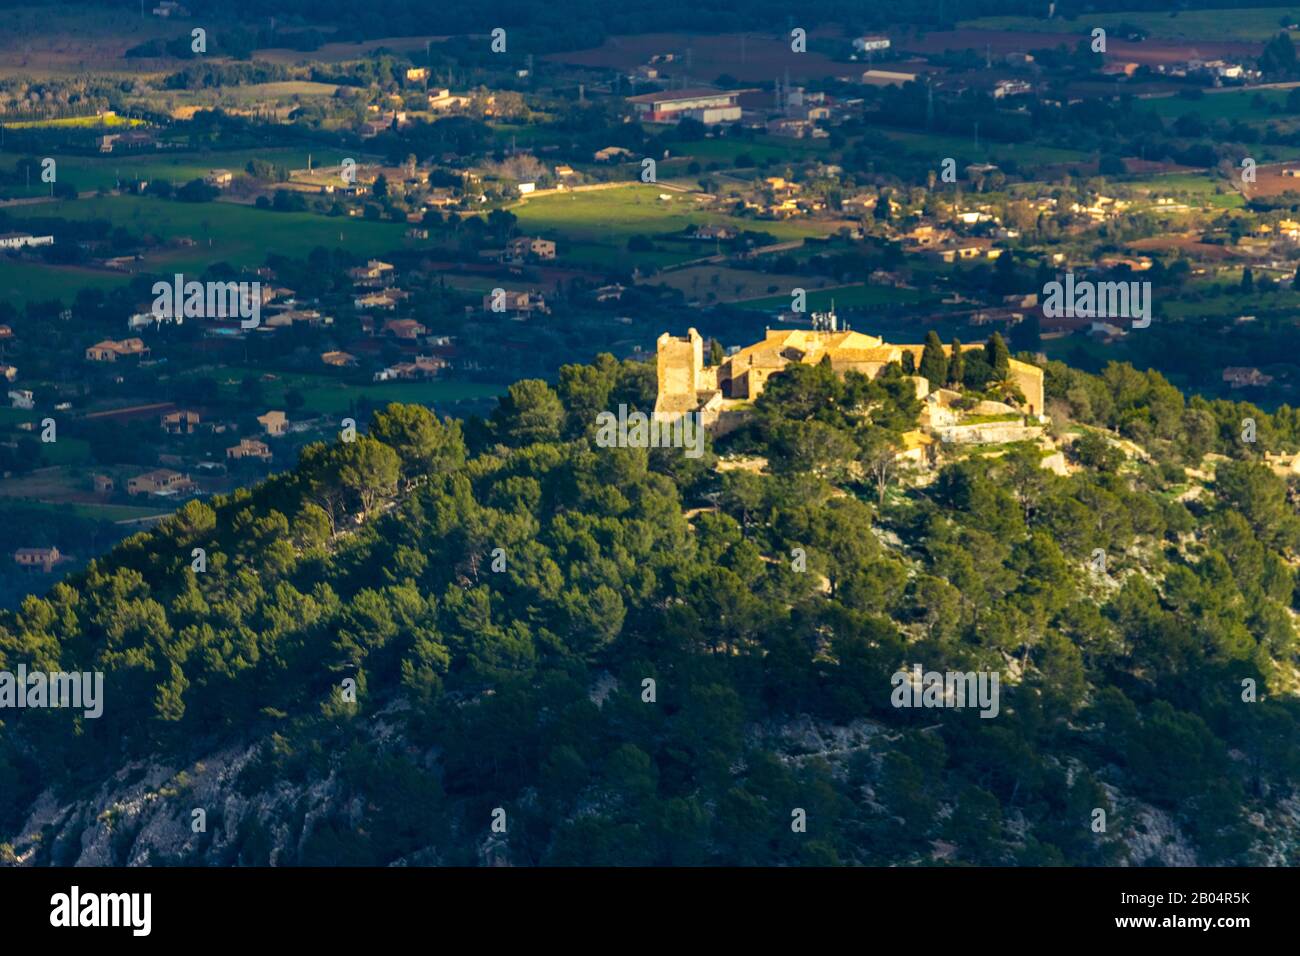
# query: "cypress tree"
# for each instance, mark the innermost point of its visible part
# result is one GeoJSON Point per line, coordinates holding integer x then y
{"type": "Point", "coordinates": [999, 358]}
{"type": "Point", "coordinates": [934, 364]}
{"type": "Point", "coordinates": [956, 364]}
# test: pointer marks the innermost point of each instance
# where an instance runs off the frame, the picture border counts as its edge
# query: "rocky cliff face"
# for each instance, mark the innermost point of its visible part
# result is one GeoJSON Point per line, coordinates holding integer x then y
{"type": "Point", "coordinates": [201, 814]}
{"type": "Point", "coordinates": [151, 813]}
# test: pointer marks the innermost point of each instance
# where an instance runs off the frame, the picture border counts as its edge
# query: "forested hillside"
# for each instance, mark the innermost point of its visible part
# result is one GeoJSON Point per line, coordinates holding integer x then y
{"type": "Point", "coordinates": [502, 591]}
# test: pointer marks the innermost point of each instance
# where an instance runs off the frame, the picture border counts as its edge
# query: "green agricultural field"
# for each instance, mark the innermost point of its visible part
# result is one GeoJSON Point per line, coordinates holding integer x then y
{"type": "Point", "coordinates": [845, 297]}
{"type": "Point", "coordinates": [78, 122]}
{"type": "Point", "coordinates": [88, 173]}
{"type": "Point", "coordinates": [337, 398]}
{"type": "Point", "coordinates": [325, 395]}
{"type": "Point", "coordinates": [1285, 300]}
{"type": "Point", "coordinates": [932, 147]}
{"type": "Point", "coordinates": [225, 232]}
{"type": "Point", "coordinates": [230, 380]}
{"type": "Point", "coordinates": [92, 510]}
{"type": "Point", "coordinates": [610, 257]}
{"type": "Point", "coordinates": [725, 149]}
{"type": "Point", "coordinates": [23, 281]}
{"type": "Point", "coordinates": [1248, 106]}
{"type": "Point", "coordinates": [112, 512]}
{"type": "Point", "coordinates": [522, 134]}
{"type": "Point", "coordinates": [594, 227]}
{"type": "Point", "coordinates": [723, 284]}
{"type": "Point", "coordinates": [1245, 24]}
{"type": "Point", "coordinates": [65, 451]}
{"type": "Point", "coordinates": [115, 513]}
{"type": "Point", "coordinates": [1195, 189]}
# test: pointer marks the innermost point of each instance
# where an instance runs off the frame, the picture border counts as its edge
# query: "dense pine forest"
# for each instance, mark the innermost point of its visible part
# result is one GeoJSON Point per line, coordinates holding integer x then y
{"type": "Point", "coordinates": [627, 656]}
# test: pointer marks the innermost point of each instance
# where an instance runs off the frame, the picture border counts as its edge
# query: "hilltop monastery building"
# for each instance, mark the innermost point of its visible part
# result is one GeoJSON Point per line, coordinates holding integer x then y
{"type": "Point", "coordinates": [686, 385]}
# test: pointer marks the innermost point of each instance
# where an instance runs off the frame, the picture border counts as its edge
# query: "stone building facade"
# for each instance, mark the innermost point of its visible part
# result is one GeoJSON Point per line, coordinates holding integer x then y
{"type": "Point", "coordinates": [718, 392]}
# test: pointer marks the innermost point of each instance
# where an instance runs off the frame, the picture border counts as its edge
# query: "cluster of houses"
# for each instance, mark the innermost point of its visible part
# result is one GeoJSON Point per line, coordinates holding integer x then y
{"type": "Point", "coordinates": [169, 483]}
{"type": "Point", "coordinates": [424, 356]}
{"type": "Point", "coordinates": [1217, 70]}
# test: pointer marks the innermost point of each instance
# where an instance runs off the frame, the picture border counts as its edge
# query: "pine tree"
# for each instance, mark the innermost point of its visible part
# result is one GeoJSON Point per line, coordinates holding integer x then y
{"type": "Point", "coordinates": [909, 363]}
{"type": "Point", "coordinates": [998, 357]}
{"type": "Point", "coordinates": [956, 364]}
{"type": "Point", "coordinates": [716, 354]}
{"type": "Point", "coordinates": [934, 364]}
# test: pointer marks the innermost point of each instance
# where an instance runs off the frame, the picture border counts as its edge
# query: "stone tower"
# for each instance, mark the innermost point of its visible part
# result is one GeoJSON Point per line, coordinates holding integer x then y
{"type": "Point", "coordinates": [681, 368]}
